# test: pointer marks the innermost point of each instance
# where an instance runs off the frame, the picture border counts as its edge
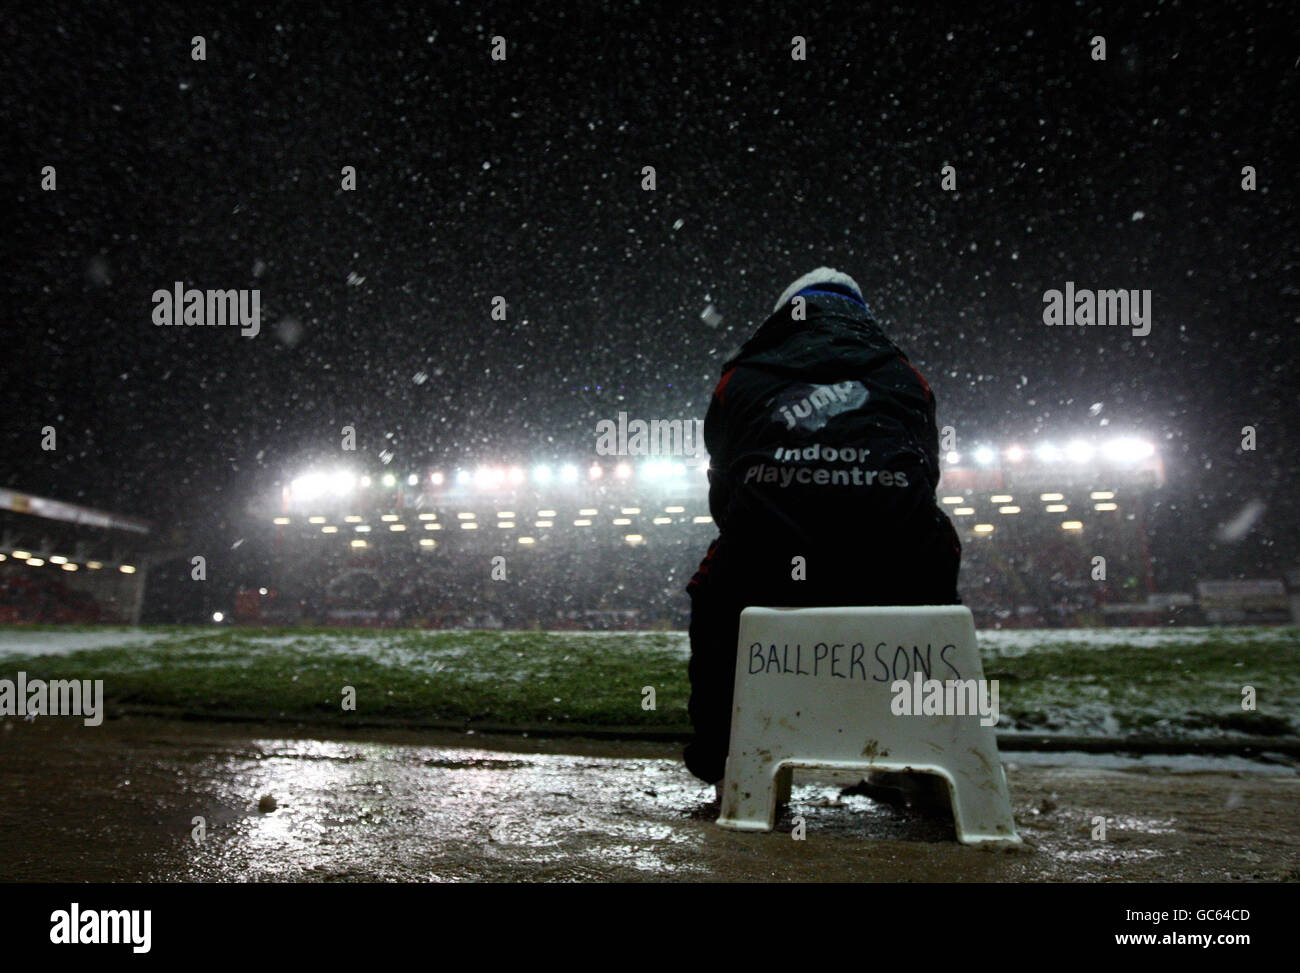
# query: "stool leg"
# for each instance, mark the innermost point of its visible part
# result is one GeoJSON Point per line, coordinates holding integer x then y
{"type": "Point", "coordinates": [981, 807]}
{"type": "Point", "coordinates": [784, 784]}
{"type": "Point", "coordinates": [749, 793]}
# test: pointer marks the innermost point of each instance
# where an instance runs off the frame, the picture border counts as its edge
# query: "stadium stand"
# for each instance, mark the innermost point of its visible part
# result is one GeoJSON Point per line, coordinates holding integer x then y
{"type": "Point", "coordinates": [64, 563]}
{"type": "Point", "coordinates": [611, 545]}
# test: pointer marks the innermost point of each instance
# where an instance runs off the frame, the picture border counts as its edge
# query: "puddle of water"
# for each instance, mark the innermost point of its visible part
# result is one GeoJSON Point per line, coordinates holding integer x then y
{"type": "Point", "coordinates": [426, 807]}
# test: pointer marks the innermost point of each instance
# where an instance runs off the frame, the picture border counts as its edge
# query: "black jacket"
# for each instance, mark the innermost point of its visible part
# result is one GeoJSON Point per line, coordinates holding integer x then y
{"type": "Point", "coordinates": [822, 443]}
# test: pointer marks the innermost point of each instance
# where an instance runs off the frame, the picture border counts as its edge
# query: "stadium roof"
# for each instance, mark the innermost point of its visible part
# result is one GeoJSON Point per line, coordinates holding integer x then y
{"type": "Point", "coordinates": [69, 512]}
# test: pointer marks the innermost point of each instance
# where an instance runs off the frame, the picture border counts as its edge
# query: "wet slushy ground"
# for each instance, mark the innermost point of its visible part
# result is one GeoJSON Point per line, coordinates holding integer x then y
{"type": "Point", "coordinates": [281, 803]}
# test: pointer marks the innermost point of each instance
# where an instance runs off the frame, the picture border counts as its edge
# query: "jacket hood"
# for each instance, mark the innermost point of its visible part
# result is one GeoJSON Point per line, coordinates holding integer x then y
{"type": "Point", "coordinates": [838, 334]}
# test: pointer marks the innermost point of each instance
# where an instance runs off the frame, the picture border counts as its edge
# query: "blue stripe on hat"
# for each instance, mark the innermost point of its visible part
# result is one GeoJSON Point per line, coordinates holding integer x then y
{"type": "Point", "coordinates": [834, 290]}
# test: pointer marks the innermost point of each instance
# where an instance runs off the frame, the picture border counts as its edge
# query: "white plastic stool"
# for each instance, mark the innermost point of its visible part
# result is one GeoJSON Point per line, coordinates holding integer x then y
{"type": "Point", "coordinates": [813, 691]}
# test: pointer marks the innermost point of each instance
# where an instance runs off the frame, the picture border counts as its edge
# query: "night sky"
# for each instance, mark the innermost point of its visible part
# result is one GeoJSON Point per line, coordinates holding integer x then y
{"type": "Point", "coordinates": [523, 178]}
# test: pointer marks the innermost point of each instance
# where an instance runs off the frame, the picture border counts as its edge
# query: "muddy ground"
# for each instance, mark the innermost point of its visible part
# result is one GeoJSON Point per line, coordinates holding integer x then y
{"type": "Point", "coordinates": [117, 803]}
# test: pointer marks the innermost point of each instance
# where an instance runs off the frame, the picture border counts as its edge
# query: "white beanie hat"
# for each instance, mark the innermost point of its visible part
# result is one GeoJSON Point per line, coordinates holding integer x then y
{"type": "Point", "coordinates": [822, 275]}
